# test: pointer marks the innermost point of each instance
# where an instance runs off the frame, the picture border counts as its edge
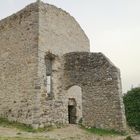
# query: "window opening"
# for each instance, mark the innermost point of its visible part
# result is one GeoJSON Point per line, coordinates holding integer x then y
{"type": "Point", "coordinates": [49, 84]}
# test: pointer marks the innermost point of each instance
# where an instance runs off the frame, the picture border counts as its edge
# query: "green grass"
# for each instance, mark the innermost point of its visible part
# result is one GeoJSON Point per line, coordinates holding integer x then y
{"type": "Point", "coordinates": [27, 128]}
{"type": "Point", "coordinates": [104, 132]}
{"type": "Point", "coordinates": [11, 124]}
{"type": "Point", "coordinates": [18, 138]}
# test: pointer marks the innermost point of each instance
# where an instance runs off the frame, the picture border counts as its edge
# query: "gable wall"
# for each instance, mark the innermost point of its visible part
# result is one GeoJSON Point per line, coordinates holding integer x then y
{"type": "Point", "coordinates": [59, 33]}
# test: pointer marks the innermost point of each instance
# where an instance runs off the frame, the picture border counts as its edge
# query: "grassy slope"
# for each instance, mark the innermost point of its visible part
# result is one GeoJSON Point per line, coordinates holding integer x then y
{"type": "Point", "coordinates": [19, 138]}
{"type": "Point", "coordinates": [24, 128]}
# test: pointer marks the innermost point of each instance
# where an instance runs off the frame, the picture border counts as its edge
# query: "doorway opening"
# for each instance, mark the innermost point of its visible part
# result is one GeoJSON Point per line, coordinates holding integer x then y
{"type": "Point", "coordinates": [72, 111]}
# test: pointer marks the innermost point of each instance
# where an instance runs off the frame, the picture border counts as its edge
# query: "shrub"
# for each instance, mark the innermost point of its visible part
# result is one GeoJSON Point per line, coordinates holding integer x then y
{"type": "Point", "coordinates": [128, 138]}
{"type": "Point", "coordinates": [132, 108]}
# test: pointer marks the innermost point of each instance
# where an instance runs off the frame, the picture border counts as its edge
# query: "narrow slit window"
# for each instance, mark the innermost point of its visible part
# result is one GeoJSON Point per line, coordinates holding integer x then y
{"type": "Point", "coordinates": [49, 85]}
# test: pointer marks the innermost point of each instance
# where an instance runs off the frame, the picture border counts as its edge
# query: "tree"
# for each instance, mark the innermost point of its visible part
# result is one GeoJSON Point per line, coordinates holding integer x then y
{"type": "Point", "coordinates": [132, 108]}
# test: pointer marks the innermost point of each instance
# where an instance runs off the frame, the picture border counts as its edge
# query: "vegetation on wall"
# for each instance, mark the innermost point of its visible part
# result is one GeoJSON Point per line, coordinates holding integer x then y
{"type": "Point", "coordinates": [132, 108]}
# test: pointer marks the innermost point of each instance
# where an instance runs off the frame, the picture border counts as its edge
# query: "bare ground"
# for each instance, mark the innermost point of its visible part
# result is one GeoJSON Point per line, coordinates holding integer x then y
{"type": "Point", "coordinates": [70, 132]}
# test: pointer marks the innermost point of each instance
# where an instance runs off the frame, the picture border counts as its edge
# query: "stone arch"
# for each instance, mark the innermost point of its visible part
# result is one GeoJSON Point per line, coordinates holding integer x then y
{"type": "Point", "coordinates": [74, 99]}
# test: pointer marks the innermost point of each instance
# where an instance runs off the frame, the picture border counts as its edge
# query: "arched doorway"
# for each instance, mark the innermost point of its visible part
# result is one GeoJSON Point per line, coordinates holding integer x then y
{"type": "Point", "coordinates": [72, 111]}
{"type": "Point", "coordinates": [74, 104]}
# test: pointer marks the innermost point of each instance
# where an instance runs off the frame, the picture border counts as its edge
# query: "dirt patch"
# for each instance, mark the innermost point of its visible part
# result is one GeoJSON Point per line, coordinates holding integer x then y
{"type": "Point", "coordinates": [70, 132]}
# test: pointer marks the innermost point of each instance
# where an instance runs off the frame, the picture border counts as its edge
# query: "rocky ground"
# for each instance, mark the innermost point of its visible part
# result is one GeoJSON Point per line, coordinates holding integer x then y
{"type": "Point", "coordinates": [71, 132]}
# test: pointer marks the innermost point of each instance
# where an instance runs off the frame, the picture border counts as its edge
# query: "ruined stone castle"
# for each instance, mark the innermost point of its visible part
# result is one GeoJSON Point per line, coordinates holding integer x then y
{"type": "Point", "coordinates": [48, 76]}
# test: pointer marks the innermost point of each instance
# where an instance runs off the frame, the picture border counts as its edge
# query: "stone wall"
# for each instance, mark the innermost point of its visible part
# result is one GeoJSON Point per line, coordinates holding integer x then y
{"type": "Point", "coordinates": [18, 64]}
{"type": "Point", "coordinates": [101, 89]}
{"type": "Point", "coordinates": [54, 110]}
{"type": "Point", "coordinates": [25, 39]}
{"type": "Point", "coordinates": [59, 33]}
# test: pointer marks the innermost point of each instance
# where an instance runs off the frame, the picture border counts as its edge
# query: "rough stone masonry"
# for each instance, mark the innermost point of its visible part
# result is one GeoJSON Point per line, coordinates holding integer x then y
{"type": "Point", "coordinates": [48, 76]}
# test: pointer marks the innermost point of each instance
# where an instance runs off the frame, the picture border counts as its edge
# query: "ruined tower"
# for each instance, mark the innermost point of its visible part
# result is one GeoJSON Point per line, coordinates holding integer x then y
{"type": "Point", "coordinates": [48, 75]}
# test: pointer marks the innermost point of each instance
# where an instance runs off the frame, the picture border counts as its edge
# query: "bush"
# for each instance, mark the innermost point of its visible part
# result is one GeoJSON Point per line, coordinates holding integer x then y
{"type": "Point", "coordinates": [128, 138]}
{"type": "Point", "coordinates": [132, 108]}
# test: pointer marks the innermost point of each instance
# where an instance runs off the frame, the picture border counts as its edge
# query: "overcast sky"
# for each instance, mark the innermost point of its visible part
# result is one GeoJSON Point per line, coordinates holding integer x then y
{"type": "Point", "coordinates": [113, 27]}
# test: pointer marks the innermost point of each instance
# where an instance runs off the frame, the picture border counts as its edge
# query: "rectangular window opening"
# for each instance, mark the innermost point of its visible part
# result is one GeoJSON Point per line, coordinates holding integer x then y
{"type": "Point", "coordinates": [49, 85]}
